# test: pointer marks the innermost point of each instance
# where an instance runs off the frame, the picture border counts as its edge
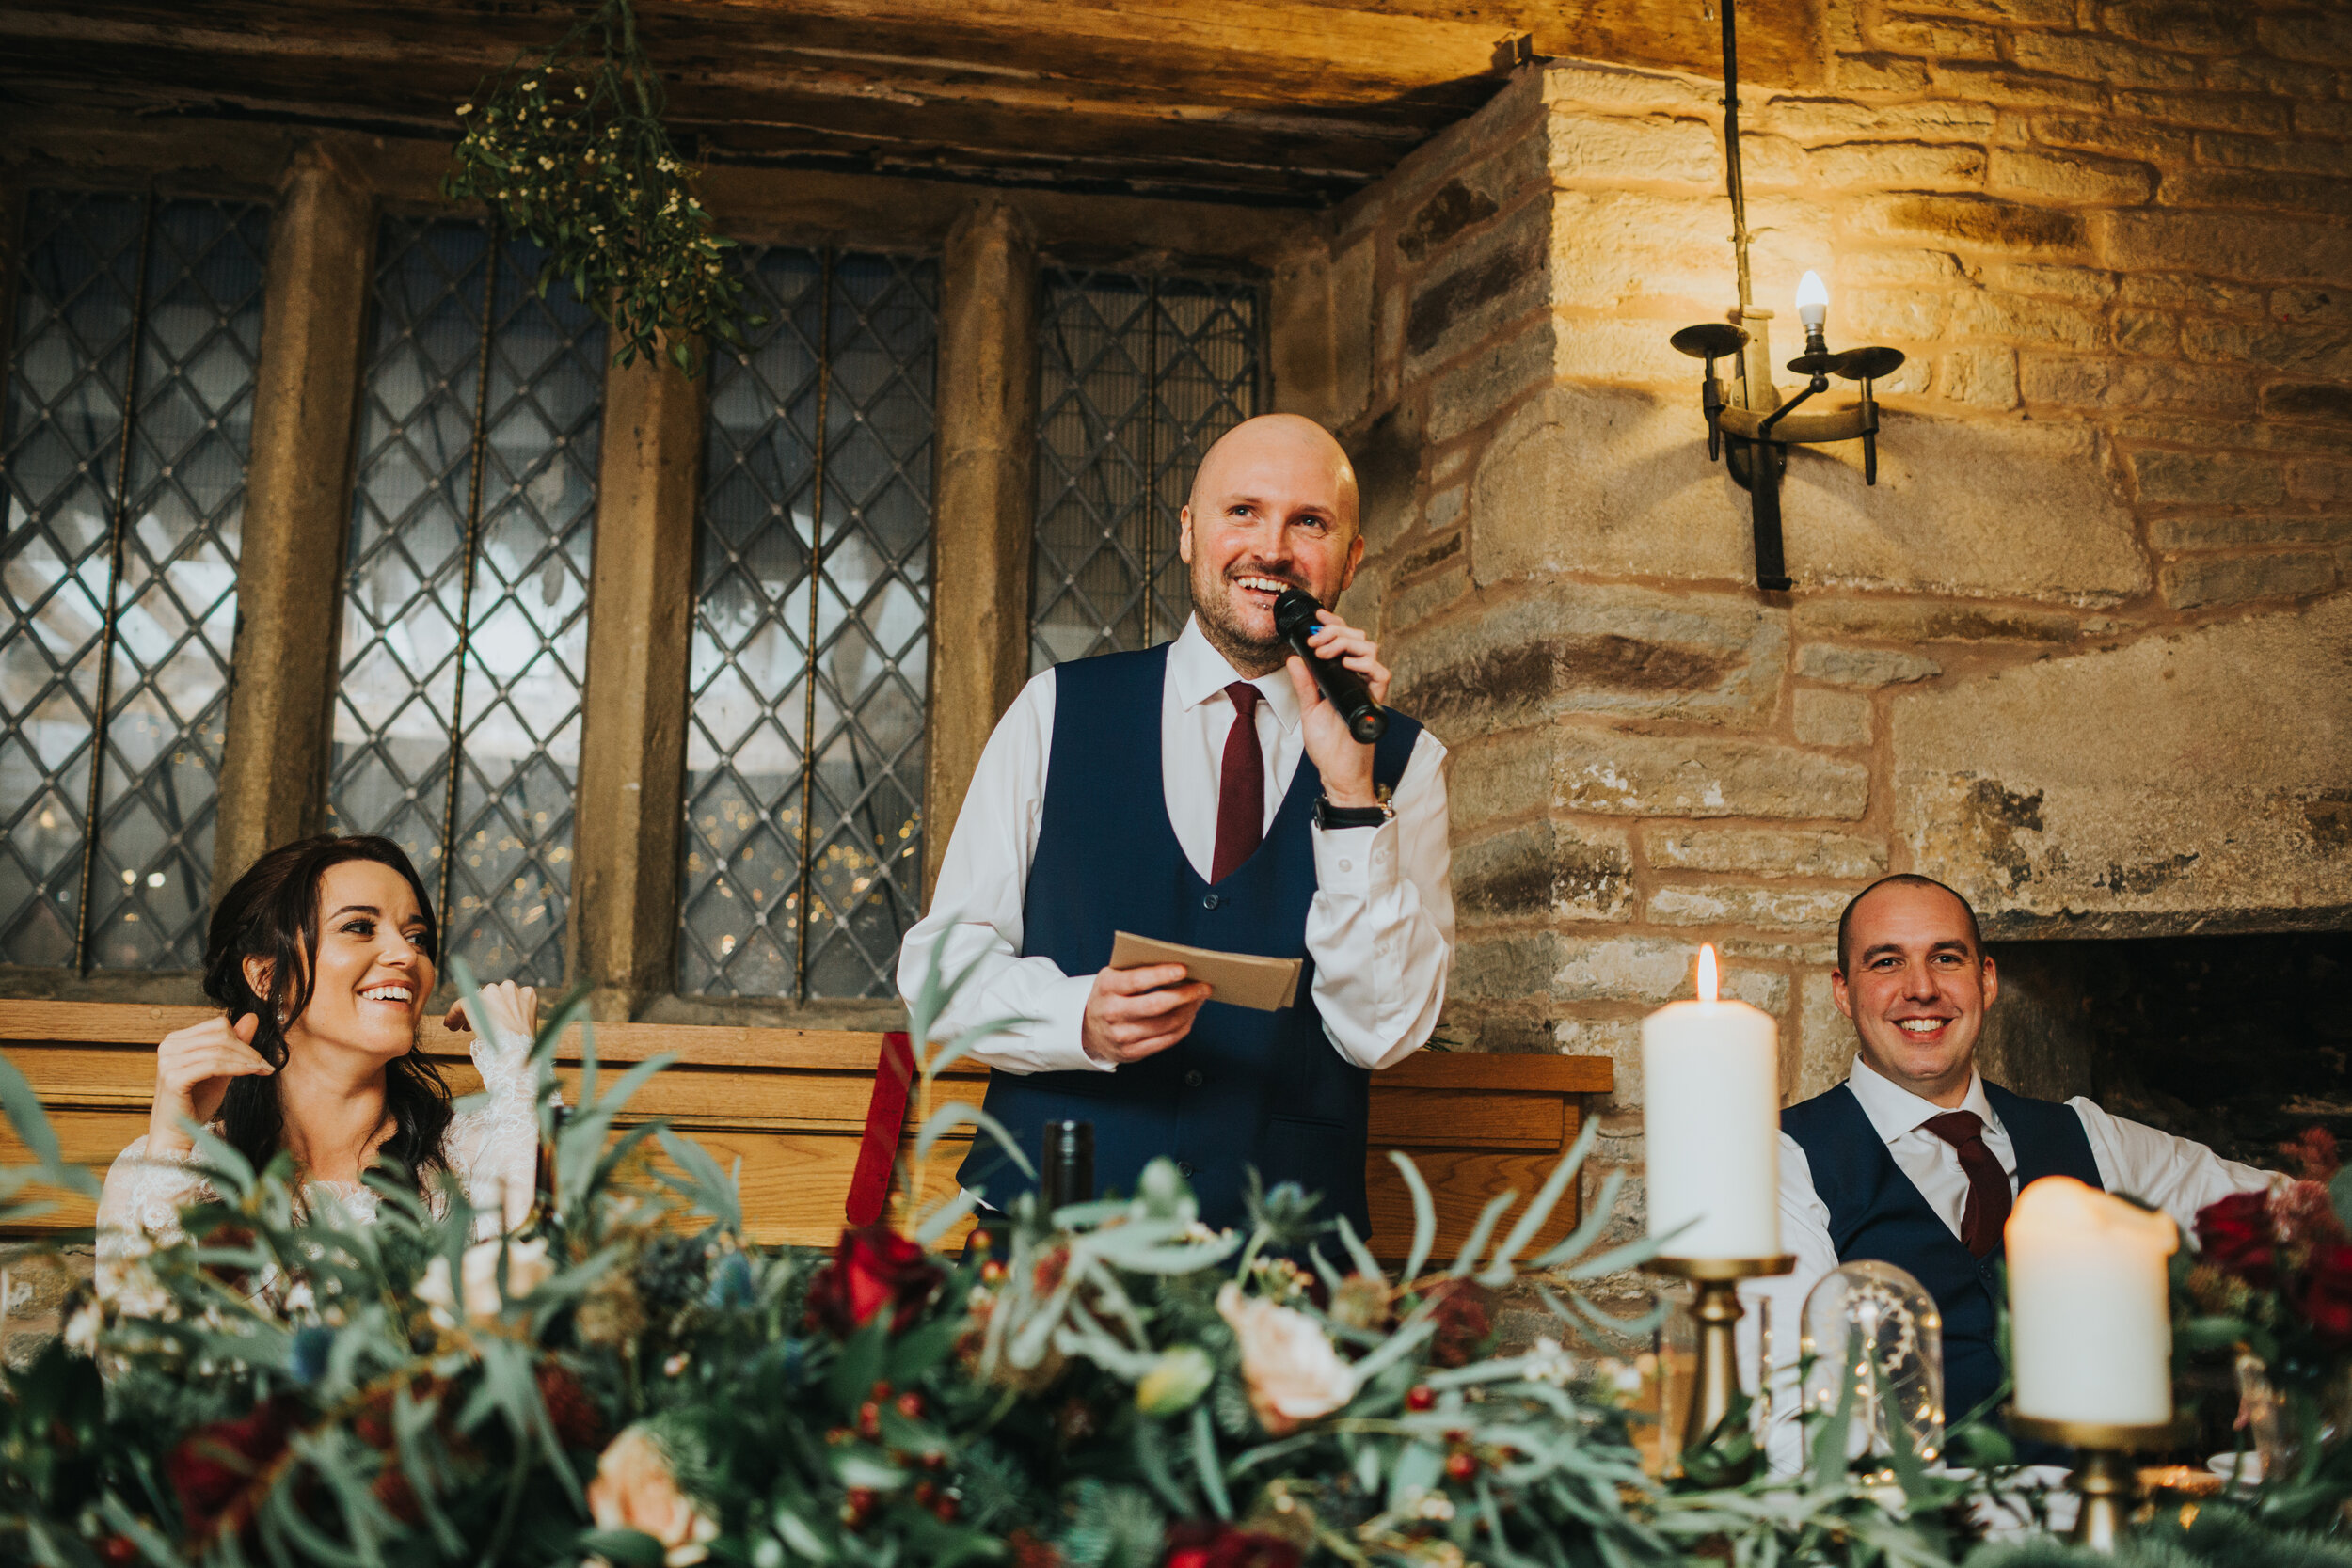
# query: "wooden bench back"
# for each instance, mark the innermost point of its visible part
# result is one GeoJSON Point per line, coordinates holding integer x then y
{"type": "Point", "coordinates": [791, 1104]}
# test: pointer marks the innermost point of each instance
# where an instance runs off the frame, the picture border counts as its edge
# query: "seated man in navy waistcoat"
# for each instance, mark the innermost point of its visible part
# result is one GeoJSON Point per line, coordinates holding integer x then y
{"type": "Point", "coordinates": [1204, 792]}
{"type": "Point", "coordinates": [1915, 1159]}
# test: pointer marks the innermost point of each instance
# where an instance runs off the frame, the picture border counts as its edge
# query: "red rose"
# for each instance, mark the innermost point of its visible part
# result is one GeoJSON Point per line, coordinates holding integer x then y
{"type": "Point", "coordinates": [213, 1467]}
{"type": "Point", "coordinates": [2326, 1296]}
{"type": "Point", "coordinates": [1199, 1543]}
{"type": "Point", "coordinates": [2234, 1235]}
{"type": "Point", "coordinates": [872, 1269]}
{"type": "Point", "coordinates": [1466, 1322]}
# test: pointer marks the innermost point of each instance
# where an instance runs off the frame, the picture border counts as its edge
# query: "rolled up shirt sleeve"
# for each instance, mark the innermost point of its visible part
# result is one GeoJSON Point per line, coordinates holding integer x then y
{"type": "Point", "coordinates": [975, 911]}
{"type": "Point", "coordinates": [1380, 929]}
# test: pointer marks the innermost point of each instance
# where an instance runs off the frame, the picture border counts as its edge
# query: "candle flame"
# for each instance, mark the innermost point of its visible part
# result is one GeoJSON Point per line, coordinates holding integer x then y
{"type": "Point", "coordinates": [1707, 972]}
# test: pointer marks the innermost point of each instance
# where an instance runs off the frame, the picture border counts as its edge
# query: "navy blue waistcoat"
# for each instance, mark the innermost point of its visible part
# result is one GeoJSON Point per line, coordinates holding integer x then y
{"type": "Point", "coordinates": [1245, 1087]}
{"type": "Point", "coordinates": [1875, 1211]}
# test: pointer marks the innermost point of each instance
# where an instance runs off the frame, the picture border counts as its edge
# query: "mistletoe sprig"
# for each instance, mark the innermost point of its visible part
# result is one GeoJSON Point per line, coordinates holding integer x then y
{"type": "Point", "coordinates": [569, 149]}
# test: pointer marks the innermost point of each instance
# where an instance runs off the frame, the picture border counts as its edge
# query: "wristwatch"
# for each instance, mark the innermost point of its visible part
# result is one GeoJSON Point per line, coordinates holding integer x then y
{"type": "Point", "coordinates": [1330, 815]}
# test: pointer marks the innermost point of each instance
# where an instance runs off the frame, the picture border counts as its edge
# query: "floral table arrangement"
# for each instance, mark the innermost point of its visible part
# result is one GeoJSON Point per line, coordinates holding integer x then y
{"type": "Point", "coordinates": [628, 1383]}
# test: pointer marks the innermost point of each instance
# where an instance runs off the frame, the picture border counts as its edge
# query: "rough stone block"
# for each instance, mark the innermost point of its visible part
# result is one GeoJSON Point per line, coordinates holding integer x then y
{"type": "Point", "coordinates": [2075, 285]}
{"type": "Point", "coordinates": [2006, 86]}
{"type": "Point", "coordinates": [1471, 196]}
{"type": "Point", "coordinates": [1875, 72]}
{"type": "Point", "coordinates": [1408, 607]}
{"type": "Point", "coordinates": [1652, 148]}
{"type": "Point", "coordinates": [2324, 119]}
{"type": "Point", "coordinates": [1494, 779]}
{"type": "Point", "coordinates": [2207, 479]}
{"type": "Point", "coordinates": [2198, 28]}
{"type": "Point", "coordinates": [2177, 291]}
{"type": "Point", "coordinates": [1470, 394]}
{"type": "Point", "coordinates": [2213, 111]}
{"type": "Point", "coordinates": [2310, 479]}
{"type": "Point", "coordinates": [1872, 667]}
{"type": "Point", "coordinates": [2172, 778]}
{"type": "Point", "coordinates": [1905, 315]}
{"type": "Point", "coordinates": [2295, 399]}
{"type": "Point", "coordinates": [2106, 61]}
{"type": "Point", "coordinates": [1766, 851]}
{"type": "Point", "coordinates": [2324, 38]}
{"type": "Point", "coordinates": [1622, 969]}
{"type": "Point", "coordinates": [1630, 652]}
{"type": "Point", "coordinates": [1923, 269]}
{"type": "Point", "coordinates": [1830, 718]}
{"type": "Point", "coordinates": [1767, 162]}
{"type": "Point", "coordinates": [1611, 86]}
{"type": "Point", "coordinates": [1917, 620]}
{"type": "Point", "coordinates": [1937, 39]}
{"type": "Point", "coordinates": [1609, 247]}
{"type": "Point", "coordinates": [2150, 334]}
{"type": "Point", "coordinates": [1900, 166]}
{"type": "Point", "coordinates": [2272, 78]}
{"type": "Point", "coordinates": [1617, 1038]}
{"type": "Point", "coordinates": [2199, 581]}
{"type": "Point", "coordinates": [1979, 222]}
{"type": "Point", "coordinates": [2301, 348]}
{"type": "Point", "coordinates": [2255, 188]}
{"type": "Point", "coordinates": [2038, 13]}
{"type": "Point", "coordinates": [1763, 908]}
{"type": "Point", "coordinates": [2128, 138]}
{"type": "Point", "coordinates": [2046, 322]}
{"type": "Point", "coordinates": [1552, 869]}
{"type": "Point", "coordinates": [2283, 156]}
{"type": "Point", "coordinates": [1981, 377]}
{"type": "Point", "coordinates": [1816, 1059]}
{"type": "Point", "coordinates": [1614, 774]}
{"type": "Point", "coordinates": [1617, 482]}
{"type": "Point", "coordinates": [2308, 305]}
{"type": "Point", "coordinates": [2189, 531]}
{"type": "Point", "coordinates": [2077, 381]}
{"type": "Point", "coordinates": [1828, 119]}
{"type": "Point", "coordinates": [1484, 285]}
{"type": "Point", "coordinates": [1619, 349]}
{"type": "Point", "coordinates": [2077, 178]}
{"type": "Point", "coordinates": [1504, 968]}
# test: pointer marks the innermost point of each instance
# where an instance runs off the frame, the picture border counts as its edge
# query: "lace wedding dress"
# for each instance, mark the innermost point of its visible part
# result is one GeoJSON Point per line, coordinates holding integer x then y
{"type": "Point", "coordinates": [493, 1151]}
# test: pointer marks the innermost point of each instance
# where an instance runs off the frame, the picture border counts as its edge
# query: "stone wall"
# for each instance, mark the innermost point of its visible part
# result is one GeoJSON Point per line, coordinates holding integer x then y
{"type": "Point", "coordinates": [2084, 649]}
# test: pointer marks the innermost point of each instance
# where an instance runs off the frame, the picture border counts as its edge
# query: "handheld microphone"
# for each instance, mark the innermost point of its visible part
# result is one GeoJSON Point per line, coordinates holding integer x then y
{"type": "Point", "coordinates": [1295, 614]}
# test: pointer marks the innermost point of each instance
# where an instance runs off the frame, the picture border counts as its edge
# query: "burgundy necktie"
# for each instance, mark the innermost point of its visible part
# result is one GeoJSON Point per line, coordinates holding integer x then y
{"type": "Point", "coordinates": [1241, 787]}
{"type": "Point", "coordinates": [1988, 1183]}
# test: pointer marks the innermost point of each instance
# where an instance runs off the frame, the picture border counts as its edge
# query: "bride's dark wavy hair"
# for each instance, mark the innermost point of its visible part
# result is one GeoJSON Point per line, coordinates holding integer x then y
{"type": "Point", "coordinates": [272, 913]}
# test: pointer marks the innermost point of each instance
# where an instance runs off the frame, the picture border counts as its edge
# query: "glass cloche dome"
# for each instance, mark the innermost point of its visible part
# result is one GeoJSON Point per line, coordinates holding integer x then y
{"type": "Point", "coordinates": [1872, 1327]}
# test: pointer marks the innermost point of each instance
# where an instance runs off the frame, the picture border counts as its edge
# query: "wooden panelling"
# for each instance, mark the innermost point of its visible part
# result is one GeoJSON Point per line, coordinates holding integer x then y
{"type": "Point", "coordinates": [791, 1105]}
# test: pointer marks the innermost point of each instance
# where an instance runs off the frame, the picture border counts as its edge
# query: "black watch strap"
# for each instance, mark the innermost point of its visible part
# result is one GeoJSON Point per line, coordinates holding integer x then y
{"type": "Point", "coordinates": [1330, 815]}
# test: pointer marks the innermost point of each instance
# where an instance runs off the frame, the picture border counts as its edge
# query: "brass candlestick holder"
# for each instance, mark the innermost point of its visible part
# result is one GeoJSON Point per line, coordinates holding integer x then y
{"type": "Point", "coordinates": [1715, 1374]}
{"type": "Point", "coordinates": [2104, 1477]}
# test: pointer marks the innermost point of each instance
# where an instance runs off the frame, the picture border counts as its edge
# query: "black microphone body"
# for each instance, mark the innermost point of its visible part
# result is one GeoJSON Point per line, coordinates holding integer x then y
{"type": "Point", "coordinates": [1295, 615]}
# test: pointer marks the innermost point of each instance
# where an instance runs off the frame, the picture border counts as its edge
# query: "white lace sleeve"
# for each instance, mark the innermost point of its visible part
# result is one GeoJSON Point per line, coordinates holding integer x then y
{"type": "Point", "coordinates": [494, 1151]}
{"type": "Point", "coordinates": [139, 1211]}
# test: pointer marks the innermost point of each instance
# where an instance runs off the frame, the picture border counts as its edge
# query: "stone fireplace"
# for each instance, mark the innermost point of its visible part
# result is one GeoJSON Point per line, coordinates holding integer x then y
{"type": "Point", "coordinates": [2082, 652]}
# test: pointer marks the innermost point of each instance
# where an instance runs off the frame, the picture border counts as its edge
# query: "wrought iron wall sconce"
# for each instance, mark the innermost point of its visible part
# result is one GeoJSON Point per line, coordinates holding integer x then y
{"type": "Point", "coordinates": [1748, 424]}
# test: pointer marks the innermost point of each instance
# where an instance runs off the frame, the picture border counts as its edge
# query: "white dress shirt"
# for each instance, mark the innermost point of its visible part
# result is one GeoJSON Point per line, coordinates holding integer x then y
{"type": "Point", "coordinates": [2171, 1174]}
{"type": "Point", "coordinates": [1380, 929]}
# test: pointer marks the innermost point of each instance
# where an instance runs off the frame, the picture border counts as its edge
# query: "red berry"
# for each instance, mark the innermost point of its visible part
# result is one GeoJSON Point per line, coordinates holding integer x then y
{"type": "Point", "coordinates": [870, 1421]}
{"type": "Point", "coordinates": [1460, 1466]}
{"type": "Point", "coordinates": [879, 1391]}
{"type": "Point", "coordinates": [911, 1405]}
{"type": "Point", "coordinates": [925, 1492]}
{"type": "Point", "coordinates": [993, 1272]}
{"type": "Point", "coordinates": [1421, 1397]}
{"type": "Point", "coordinates": [945, 1506]}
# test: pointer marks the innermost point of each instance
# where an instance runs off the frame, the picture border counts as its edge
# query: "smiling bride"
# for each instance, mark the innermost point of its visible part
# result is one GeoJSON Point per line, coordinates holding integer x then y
{"type": "Point", "coordinates": [322, 958]}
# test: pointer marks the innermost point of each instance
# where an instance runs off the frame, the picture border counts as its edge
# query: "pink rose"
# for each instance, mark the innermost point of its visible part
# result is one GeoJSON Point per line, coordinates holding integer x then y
{"type": "Point", "coordinates": [635, 1489]}
{"type": "Point", "coordinates": [1293, 1371]}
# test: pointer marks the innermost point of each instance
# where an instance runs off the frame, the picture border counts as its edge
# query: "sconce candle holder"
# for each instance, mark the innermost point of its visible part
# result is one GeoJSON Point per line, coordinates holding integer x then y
{"type": "Point", "coordinates": [1747, 422]}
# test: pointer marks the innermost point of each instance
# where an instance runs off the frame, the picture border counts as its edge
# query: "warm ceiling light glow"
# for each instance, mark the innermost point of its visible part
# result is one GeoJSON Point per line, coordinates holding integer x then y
{"type": "Point", "coordinates": [1812, 301]}
{"type": "Point", "coordinates": [1707, 972]}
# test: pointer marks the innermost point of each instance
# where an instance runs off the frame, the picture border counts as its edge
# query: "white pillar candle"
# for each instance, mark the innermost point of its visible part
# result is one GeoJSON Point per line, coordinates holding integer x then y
{"type": "Point", "coordinates": [2091, 1320]}
{"type": "Point", "coordinates": [1710, 1118]}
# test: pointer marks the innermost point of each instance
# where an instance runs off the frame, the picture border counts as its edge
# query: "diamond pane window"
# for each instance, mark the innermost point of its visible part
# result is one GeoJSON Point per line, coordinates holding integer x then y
{"type": "Point", "coordinates": [803, 859]}
{"type": "Point", "coordinates": [465, 639]}
{"type": "Point", "coordinates": [1137, 376]}
{"type": "Point", "coordinates": [119, 575]}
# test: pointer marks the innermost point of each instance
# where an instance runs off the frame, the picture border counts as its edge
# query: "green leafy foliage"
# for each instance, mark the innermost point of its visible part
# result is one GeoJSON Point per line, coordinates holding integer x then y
{"type": "Point", "coordinates": [568, 147]}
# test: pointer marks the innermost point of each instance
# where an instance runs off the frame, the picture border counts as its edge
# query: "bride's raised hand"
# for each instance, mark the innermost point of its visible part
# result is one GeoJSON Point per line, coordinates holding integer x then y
{"type": "Point", "coordinates": [193, 1067]}
{"type": "Point", "coordinates": [511, 1014]}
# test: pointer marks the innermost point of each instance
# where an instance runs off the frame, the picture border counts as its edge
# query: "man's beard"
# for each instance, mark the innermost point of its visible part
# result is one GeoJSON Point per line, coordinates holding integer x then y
{"type": "Point", "coordinates": [1243, 650]}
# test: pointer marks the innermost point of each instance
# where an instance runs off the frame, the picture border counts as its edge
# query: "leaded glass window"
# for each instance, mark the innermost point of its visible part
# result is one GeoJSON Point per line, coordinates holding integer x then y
{"type": "Point", "coordinates": [122, 453]}
{"type": "Point", "coordinates": [464, 619]}
{"type": "Point", "coordinates": [803, 858]}
{"type": "Point", "coordinates": [1137, 376]}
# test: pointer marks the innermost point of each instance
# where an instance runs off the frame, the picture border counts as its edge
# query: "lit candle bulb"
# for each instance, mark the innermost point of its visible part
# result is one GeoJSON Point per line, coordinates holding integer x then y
{"type": "Point", "coordinates": [1811, 301]}
{"type": "Point", "coordinates": [1711, 1117]}
{"type": "Point", "coordinates": [2090, 1309]}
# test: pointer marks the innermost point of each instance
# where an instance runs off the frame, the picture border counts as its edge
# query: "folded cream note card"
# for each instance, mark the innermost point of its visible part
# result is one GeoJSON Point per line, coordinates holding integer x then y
{"type": "Point", "coordinates": [1244, 979]}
